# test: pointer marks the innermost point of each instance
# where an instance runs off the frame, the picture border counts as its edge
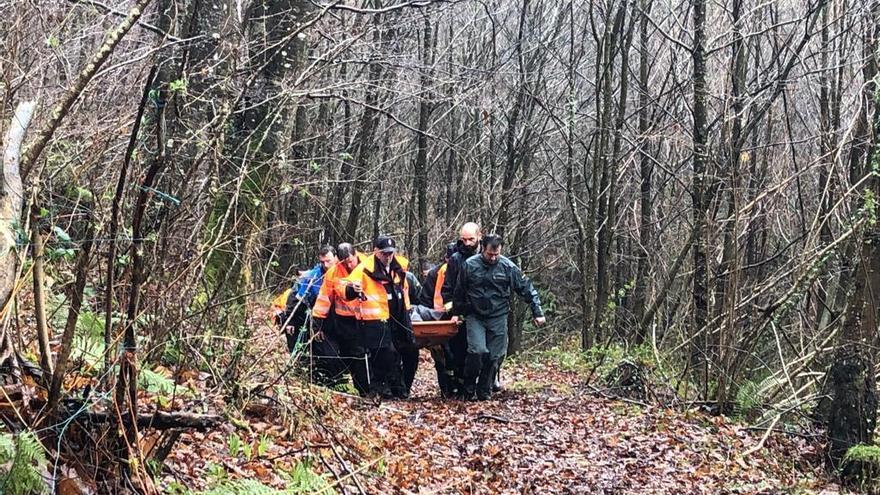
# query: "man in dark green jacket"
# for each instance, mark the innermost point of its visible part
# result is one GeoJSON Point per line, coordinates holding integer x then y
{"type": "Point", "coordinates": [482, 296]}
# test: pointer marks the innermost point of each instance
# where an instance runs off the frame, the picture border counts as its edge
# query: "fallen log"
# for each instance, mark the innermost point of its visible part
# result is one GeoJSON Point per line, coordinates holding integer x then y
{"type": "Point", "coordinates": [163, 421]}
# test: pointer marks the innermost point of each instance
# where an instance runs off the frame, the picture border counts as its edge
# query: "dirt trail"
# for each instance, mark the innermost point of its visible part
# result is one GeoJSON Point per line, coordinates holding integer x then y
{"type": "Point", "coordinates": [545, 433]}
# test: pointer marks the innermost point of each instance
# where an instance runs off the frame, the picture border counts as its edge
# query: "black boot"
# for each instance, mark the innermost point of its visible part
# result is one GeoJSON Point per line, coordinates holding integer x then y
{"type": "Point", "coordinates": [473, 364]}
{"type": "Point", "coordinates": [487, 378]}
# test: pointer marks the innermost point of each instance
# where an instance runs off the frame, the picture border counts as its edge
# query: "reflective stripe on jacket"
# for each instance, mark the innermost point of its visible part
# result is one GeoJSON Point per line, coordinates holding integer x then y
{"type": "Point", "coordinates": [374, 302]}
{"type": "Point", "coordinates": [438, 288]}
{"type": "Point", "coordinates": [333, 292]}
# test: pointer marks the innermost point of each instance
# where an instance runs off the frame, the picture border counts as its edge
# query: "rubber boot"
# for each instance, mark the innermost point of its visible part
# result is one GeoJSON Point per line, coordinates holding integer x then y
{"type": "Point", "coordinates": [473, 364]}
{"type": "Point", "coordinates": [487, 378]}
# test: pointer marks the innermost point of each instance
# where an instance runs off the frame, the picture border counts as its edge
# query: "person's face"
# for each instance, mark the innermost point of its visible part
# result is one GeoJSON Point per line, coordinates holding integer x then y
{"type": "Point", "coordinates": [469, 238]}
{"type": "Point", "coordinates": [491, 254]}
{"type": "Point", "coordinates": [350, 262]}
{"type": "Point", "coordinates": [384, 257]}
{"type": "Point", "coordinates": [327, 260]}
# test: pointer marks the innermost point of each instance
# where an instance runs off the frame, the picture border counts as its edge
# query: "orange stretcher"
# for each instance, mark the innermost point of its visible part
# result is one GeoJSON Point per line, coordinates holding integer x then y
{"type": "Point", "coordinates": [430, 333]}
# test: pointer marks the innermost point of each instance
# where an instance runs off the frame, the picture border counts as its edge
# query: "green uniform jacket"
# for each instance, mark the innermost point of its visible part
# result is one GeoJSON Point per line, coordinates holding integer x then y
{"type": "Point", "coordinates": [484, 289]}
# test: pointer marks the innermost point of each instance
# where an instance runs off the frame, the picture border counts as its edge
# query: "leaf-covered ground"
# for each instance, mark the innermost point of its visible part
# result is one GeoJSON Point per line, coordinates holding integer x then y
{"type": "Point", "coordinates": [545, 433]}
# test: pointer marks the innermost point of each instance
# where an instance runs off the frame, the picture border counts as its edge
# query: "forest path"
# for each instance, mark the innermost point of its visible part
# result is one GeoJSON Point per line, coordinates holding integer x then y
{"type": "Point", "coordinates": [548, 433]}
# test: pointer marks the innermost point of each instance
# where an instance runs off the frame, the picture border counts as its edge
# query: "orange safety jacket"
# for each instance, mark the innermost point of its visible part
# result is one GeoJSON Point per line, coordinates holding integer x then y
{"type": "Point", "coordinates": [374, 303]}
{"type": "Point", "coordinates": [438, 286]}
{"type": "Point", "coordinates": [279, 305]}
{"type": "Point", "coordinates": [333, 292]}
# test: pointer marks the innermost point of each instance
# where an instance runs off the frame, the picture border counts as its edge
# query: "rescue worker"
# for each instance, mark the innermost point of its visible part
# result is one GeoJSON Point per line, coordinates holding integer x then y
{"type": "Point", "coordinates": [335, 318]}
{"type": "Point", "coordinates": [469, 237]}
{"type": "Point", "coordinates": [482, 296]}
{"type": "Point", "coordinates": [431, 297]}
{"type": "Point", "coordinates": [325, 365]}
{"type": "Point", "coordinates": [380, 284]}
{"type": "Point", "coordinates": [303, 294]}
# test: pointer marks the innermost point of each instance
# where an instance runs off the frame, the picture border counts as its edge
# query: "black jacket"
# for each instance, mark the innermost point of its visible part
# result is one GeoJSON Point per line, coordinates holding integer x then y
{"type": "Point", "coordinates": [484, 288]}
{"type": "Point", "coordinates": [453, 266]}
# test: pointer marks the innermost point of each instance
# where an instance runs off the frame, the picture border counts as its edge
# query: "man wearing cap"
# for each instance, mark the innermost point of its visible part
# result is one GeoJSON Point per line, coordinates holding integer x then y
{"type": "Point", "coordinates": [482, 296]}
{"type": "Point", "coordinates": [336, 318]}
{"type": "Point", "coordinates": [379, 282]}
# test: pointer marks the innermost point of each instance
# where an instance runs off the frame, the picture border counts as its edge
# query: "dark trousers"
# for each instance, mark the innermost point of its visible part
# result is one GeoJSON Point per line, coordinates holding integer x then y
{"type": "Point", "coordinates": [354, 355]}
{"type": "Point", "coordinates": [383, 363]}
{"type": "Point", "coordinates": [486, 347]}
{"type": "Point", "coordinates": [326, 365]}
{"type": "Point", "coordinates": [457, 352]}
{"type": "Point", "coordinates": [445, 367]}
{"type": "Point", "coordinates": [409, 365]}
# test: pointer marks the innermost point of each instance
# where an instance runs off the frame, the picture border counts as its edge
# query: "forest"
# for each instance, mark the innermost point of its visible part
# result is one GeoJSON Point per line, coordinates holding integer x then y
{"type": "Point", "coordinates": [691, 186]}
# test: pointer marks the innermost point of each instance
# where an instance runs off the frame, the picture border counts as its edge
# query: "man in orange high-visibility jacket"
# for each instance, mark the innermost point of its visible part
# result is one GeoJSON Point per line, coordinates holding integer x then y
{"type": "Point", "coordinates": [379, 282]}
{"type": "Point", "coordinates": [332, 305]}
{"type": "Point", "coordinates": [431, 297]}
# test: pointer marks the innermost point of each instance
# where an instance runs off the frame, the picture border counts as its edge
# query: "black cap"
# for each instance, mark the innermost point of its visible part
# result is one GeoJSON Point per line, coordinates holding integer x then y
{"type": "Point", "coordinates": [385, 244]}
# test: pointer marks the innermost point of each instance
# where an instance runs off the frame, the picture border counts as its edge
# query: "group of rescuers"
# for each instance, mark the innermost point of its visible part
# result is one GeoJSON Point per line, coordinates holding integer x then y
{"type": "Point", "coordinates": [361, 308]}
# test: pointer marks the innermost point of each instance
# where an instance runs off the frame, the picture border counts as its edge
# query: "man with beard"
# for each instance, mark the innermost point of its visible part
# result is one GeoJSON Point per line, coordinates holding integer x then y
{"type": "Point", "coordinates": [469, 237]}
{"type": "Point", "coordinates": [482, 297]}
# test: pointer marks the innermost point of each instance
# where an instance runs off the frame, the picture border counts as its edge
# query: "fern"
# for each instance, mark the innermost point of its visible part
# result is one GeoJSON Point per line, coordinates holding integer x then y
{"type": "Point", "coordinates": [301, 479]}
{"type": "Point", "coordinates": [21, 457]}
{"type": "Point", "coordinates": [237, 487]}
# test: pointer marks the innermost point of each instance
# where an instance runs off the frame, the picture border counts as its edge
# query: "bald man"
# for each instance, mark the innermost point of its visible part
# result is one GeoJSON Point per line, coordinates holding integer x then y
{"type": "Point", "coordinates": [469, 237]}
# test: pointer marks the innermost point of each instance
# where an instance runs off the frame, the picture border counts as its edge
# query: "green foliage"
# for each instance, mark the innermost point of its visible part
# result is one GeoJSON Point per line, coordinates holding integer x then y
{"type": "Point", "coordinates": [264, 445]}
{"type": "Point", "coordinates": [62, 248]}
{"type": "Point", "coordinates": [88, 341]}
{"type": "Point", "coordinates": [300, 479]}
{"type": "Point", "coordinates": [861, 467]}
{"type": "Point", "coordinates": [566, 359]}
{"type": "Point", "coordinates": [303, 479]}
{"type": "Point", "coordinates": [177, 488]}
{"type": "Point", "coordinates": [215, 473]}
{"type": "Point", "coordinates": [23, 455]}
{"type": "Point", "coordinates": [233, 444]}
{"type": "Point", "coordinates": [863, 453]}
{"type": "Point", "coordinates": [239, 487]}
{"type": "Point", "coordinates": [870, 207]}
{"type": "Point", "coordinates": [748, 396]}
{"type": "Point", "coordinates": [157, 383]}
{"type": "Point", "coordinates": [177, 86]}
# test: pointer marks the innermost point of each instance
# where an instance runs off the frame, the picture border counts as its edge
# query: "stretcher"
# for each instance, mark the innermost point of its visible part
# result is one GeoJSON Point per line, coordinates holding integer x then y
{"type": "Point", "coordinates": [428, 333]}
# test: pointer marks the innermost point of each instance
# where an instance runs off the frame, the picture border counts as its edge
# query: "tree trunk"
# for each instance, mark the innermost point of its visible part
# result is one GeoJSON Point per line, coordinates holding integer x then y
{"type": "Point", "coordinates": [698, 192]}
{"type": "Point", "coordinates": [646, 168]}
{"type": "Point", "coordinates": [853, 411]}
{"type": "Point", "coordinates": [420, 182]}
